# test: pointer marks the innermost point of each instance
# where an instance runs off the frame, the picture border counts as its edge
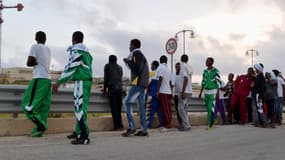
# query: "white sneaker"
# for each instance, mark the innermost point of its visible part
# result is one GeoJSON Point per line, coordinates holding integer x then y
{"type": "Point", "coordinates": [163, 129]}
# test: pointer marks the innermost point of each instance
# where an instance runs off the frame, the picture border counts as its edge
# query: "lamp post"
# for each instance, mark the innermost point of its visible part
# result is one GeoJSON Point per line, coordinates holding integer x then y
{"type": "Point", "coordinates": [252, 52]}
{"type": "Point", "coordinates": [192, 35]}
{"type": "Point", "coordinates": [19, 7]}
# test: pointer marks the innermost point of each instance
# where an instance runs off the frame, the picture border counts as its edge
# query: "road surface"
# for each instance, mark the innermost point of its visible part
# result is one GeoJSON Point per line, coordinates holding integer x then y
{"type": "Point", "coordinates": [233, 142]}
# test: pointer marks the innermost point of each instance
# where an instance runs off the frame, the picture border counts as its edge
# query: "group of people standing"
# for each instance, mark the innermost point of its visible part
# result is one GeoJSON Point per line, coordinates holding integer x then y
{"type": "Point", "coordinates": [258, 97]}
{"type": "Point", "coordinates": [252, 97]}
{"type": "Point", "coordinates": [154, 87]}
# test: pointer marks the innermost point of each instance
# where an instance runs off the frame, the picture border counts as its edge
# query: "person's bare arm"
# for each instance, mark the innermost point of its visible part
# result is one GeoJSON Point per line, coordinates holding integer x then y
{"type": "Point", "coordinates": [185, 81]}
{"type": "Point", "coordinates": [159, 84]}
{"type": "Point", "coordinates": [31, 61]}
{"type": "Point", "coordinates": [200, 94]}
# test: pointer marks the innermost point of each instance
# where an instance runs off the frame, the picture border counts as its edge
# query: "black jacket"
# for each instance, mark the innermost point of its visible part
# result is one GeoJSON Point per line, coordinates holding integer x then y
{"type": "Point", "coordinates": [113, 75]}
{"type": "Point", "coordinates": [259, 85]}
{"type": "Point", "coordinates": [139, 68]}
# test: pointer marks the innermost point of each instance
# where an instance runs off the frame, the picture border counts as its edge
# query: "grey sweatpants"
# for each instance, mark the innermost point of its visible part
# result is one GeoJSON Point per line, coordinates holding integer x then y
{"type": "Point", "coordinates": [182, 110]}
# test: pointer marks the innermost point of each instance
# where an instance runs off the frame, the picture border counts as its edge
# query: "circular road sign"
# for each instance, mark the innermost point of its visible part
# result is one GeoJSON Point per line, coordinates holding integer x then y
{"type": "Point", "coordinates": [171, 46]}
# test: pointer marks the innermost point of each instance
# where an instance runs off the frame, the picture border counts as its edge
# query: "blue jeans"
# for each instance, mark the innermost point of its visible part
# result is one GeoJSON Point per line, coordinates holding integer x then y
{"type": "Point", "coordinates": [136, 93]}
{"type": "Point", "coordinates": [278, 109]}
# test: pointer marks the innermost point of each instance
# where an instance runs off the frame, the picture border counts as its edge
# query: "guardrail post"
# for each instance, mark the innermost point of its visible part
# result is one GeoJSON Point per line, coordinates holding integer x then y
{"type": "Point", "coordinates": [15, 115]}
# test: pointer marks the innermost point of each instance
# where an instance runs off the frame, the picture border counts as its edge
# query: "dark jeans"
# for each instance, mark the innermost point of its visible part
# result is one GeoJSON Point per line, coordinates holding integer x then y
{"type": "Point", "coordinates": [176, 109]}
{"type": "Point", "coordinates": [235, 111]}
{"type": "Point", "coordinates": [115, 97]}
{"type": "Point", "coordinates": [249, 109]}
{"type": "Point", "coordinates": [220, 107]}
{"type": "Point", "coordinates": [270, 109]}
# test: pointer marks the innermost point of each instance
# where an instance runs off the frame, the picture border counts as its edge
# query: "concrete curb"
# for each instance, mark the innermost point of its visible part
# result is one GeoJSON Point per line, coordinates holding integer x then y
{"type": "Point", "coordinates": [20, 126]}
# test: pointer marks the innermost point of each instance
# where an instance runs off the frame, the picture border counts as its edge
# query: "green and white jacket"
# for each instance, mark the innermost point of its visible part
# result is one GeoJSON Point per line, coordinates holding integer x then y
{"type": "Point", "coordinates": [211, 79]}
{"type": "Point", "coordinates": [79, 65]}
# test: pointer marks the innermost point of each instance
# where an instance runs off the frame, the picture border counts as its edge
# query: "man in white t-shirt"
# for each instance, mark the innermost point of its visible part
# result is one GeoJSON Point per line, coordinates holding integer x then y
{"type": "Point", "coordinates": [164, 91]}
{"type": "Point", "coordinates": [36, 100]}
{"type": "Point", "coordinates": [185, 93]}
{"type": "Point", "coordinates": [280, 92]}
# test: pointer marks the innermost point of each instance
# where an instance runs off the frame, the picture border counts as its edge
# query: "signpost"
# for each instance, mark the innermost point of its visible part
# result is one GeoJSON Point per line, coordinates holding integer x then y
{"type": "Point", "coordinates": [170, 47]}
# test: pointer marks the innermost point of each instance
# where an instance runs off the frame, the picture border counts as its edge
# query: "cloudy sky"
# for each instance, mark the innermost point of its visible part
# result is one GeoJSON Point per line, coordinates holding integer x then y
{"type": "Point", "coordinates": [225, 30]}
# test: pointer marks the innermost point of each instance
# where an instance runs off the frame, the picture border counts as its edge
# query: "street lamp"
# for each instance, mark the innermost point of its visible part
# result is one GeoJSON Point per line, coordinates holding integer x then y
{"type": "Point", "coordinates": [19, 7]}
{"type": "Point", "coordinates": [192, 35]}
{"type": "Point", "coordinates": [252, 52]}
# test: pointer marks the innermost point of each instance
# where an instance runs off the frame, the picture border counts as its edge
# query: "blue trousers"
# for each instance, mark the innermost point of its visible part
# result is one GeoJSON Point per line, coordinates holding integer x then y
{"type": "Point", "coordinates": [136, 94]}
{"type": "Point", "coordinates": [154, 107]}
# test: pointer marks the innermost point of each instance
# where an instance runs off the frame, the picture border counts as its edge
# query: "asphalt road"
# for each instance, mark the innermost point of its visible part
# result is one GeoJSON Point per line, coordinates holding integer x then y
{"type": "Point", "coordinates": [221, 143]}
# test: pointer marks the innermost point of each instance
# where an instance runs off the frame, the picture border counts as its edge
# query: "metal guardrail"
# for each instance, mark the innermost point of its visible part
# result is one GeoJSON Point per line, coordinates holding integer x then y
{"type": "Point", "coordinates": [62, 101]}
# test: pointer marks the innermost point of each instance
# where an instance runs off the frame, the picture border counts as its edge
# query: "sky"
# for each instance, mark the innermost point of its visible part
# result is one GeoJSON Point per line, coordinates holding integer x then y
{"type": "Point", "coordinates": [224, 30]}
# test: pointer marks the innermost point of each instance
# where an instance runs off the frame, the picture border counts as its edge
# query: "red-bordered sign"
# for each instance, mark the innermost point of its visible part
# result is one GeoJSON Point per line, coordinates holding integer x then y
{"type": "Point", "coordinates": [171, 46]}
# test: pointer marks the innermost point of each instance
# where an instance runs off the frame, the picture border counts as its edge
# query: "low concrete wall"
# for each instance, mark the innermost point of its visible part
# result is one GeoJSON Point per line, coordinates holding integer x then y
{"type": "Point", "coordinates": [20, 126]}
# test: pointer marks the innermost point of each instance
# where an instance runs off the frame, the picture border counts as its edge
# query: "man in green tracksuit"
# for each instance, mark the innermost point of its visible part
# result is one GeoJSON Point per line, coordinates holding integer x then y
{"type": "Point", "coordinates": [36, 99]}
{"type": "Point", "coordinates": [79, 70]}
{"type": "Point", "coordinates": [210, 83]}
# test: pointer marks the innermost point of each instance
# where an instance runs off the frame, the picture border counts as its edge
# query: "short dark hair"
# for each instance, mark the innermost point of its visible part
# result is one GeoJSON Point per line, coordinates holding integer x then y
{"type": "Point", "coordinates": [163, 59]}
{"type": "Point", "coordinates": [40, 37]}
{"type": "Point", "coordinates": [250, 68]}
{"type": "Point", "coordinates": [211, 59]}
{"type": "Point", "coordinates": [184, 58]}
{"type": "Point", "coordinates": [155, 64]}
{"type": "Point", "coordinates": [136, 43]}
{"type": "Point", "coordinates": [113, 58]}
{"type": "Point", "coordinates": [78, 36]}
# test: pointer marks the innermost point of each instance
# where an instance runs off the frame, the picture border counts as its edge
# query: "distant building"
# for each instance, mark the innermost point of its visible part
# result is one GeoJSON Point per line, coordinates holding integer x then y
{"type": "Point", "coordinates": [12, 75]}
{"type": "Point", "coordinates": [22, 75]}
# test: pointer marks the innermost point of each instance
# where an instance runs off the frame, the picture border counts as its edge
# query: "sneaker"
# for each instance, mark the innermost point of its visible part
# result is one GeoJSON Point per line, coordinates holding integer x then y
{"type": "Point", "coordinates": [118, 129]}
{"type": "Point", "coordinates": [80, 141]}
{"type": "Point", "coordinates": [235, 122]}
{"type": "Point", "coordinates": [37, 134]}
{"type": "Point", "coordinates": [72, 136]}
{"type": "Point", "coordinates": [264, 126]}
{"type": "Point", "coordinates": [209, 127]}
{"type": "Point", "coordinates": [141, 133]}
{"type": "Point", "coordinates": [215, 121]}
{"type": "Point", "coordinates": [163, 129]}
{"type": "Point", "coordinates": [184, 129]}
{"type": "Point", "coordinates": [129, 132]}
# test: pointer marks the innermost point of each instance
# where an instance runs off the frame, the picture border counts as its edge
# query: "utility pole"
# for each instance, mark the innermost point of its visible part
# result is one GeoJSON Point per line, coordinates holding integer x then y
{"type": "Point", "coordinates": [192, 35]}
{"type": "Point", "coordinates": [19, 7]}
{"type": "Point", "coordinates": [252, 53]}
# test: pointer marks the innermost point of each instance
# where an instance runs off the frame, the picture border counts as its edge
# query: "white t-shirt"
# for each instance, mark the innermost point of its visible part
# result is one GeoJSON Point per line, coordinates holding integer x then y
{"type": "Point", "coordinates": [222, 94]}
{"type": "Point", "coordinates": [165, 73]}
{"type": "Point", "coordinates": [280, 83]}
{"type": "Point", "coordinates": [42, 55]}
{"type": "Point", "coordinates": [186, 71]}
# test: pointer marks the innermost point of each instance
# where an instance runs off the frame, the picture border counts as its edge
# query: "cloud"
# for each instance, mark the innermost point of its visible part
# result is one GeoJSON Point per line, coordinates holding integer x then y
{"type": "Point", "coordinates": [237, 5]}
{"type": "Point", "coordinates": [272, 52]}
{"type": "Point", "coordinates": [110, 25]}
{"type": "Point", "coordinates": [279, 3]}
{"type": "Point", "coordinates": [225, 55]}
{"type": "Point", "coordinates": [236, 37]}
